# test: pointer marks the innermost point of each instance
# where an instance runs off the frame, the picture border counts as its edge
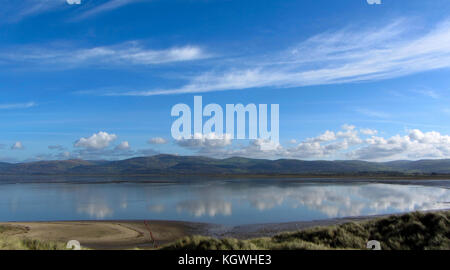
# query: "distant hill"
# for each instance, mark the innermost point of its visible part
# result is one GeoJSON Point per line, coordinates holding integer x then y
{"type": "Point", "coordinates": [193, 165]}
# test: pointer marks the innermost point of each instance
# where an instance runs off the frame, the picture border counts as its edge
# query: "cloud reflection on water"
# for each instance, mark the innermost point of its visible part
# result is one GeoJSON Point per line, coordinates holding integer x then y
{"type": "Point", "coordinates": [236, 202]}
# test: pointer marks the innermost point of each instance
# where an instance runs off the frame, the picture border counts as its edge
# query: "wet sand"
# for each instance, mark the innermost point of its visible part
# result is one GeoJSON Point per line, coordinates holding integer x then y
{"type": "Point", "coordinates": [110, 234]}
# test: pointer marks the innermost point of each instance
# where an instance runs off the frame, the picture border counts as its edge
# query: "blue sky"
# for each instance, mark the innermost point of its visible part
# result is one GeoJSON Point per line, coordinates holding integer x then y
{"type": "Point", "coordinates": [98, 80]}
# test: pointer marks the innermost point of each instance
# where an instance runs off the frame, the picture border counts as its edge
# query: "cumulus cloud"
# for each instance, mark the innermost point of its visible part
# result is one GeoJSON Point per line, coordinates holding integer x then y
{"type": "Point", "coordinates": [123, 146]}
{"type": "Point", "coordinates": [325, 137]}
{"type": "Point", "coordinates": [17, 146]}
{"type": "Point", "coordinates": [97, 141]}
{"type": "Point", "coordinates": [98, 146]}
{"type": "Point", "coordinates": [211, 140]}
{"type": "Point", "coordinates": [157, 140]}
{"type": "Point", "coordinates": [258, 148]}
{"type": "Point", "coordinates": [368, 131]}
{"type": "Point", "coordinates": [347, 143]}
{"type": "Point", "coordinates": [415, 145]}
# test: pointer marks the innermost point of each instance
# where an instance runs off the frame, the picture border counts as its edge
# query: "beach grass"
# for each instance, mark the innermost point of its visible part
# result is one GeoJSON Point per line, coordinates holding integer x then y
{"type": "Point", "coordinates": [413, 231]}
{"type": "Point", "coordinates": [10, 241]}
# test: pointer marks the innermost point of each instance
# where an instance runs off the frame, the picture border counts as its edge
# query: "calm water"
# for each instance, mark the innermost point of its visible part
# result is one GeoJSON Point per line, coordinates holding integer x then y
{"type": "Point", "coordinates": [237, 201]}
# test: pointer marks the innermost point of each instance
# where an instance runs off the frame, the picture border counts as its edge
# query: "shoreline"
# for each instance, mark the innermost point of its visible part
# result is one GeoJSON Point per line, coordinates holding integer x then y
{"type": "Point", "coordinates": [442, 182]}
{"type": "Point", "coordinates": [130, 234]}
{"type": "Point", "coordinates": [442, 177]}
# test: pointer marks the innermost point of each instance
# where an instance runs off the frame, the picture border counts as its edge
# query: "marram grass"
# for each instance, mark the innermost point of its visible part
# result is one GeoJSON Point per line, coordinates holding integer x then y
{"type": "Point", "coordinates": [414, 231]}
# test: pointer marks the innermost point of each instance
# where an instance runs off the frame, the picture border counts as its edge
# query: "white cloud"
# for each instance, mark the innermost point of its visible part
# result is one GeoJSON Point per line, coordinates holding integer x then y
{"type": "Point", "coordinates": [257, 148]}
{"type": "Point", "coordinates": [129, 53]}
{"type": "Point", "coordinates": [123, 146]}
{"type": "Point", "coordinates": [371, 113]}
{"type": "Point", "coordinates": [329, 58]}
{"type": "Point", "coordinates": [210, 140]}
{"type": "Point", "coordinates": [17, 146]}
{"type": "Point", "coordinates": [14, 11]}
{"type": "Point", "coordinates": [368, 131]}
{"type": "Point", "coordinates": [415, 145]}
{"type": "Point", "coordinates": [428, 93]}
{"type": "Point", "coordinates": [17, 106]}
{"type": "Point", "coordinates": [108, 6]}
{"type": "Point", "coordinates": [347, 143]}
{"type": "Point", "coordinates": [325, 137]}
{"type": "Point", "coordinates": [97, 141]}
{"type": "Point", "coordinates": [157, 140]}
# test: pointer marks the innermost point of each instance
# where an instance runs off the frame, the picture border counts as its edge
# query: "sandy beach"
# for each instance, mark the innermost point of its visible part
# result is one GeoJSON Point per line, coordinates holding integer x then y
{"type": "Point", "coordinates": [151, 234]}
{"type": "Point", "coordinates": [109, 234]}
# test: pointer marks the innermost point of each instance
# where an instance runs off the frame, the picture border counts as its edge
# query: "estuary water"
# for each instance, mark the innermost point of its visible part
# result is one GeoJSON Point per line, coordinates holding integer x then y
{"type": "Point", "coordinates": [220, 201]}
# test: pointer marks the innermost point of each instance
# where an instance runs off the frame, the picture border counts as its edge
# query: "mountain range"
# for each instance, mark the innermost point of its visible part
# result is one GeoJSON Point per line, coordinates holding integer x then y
{"type": "Point", "coordinates": [195, 165]}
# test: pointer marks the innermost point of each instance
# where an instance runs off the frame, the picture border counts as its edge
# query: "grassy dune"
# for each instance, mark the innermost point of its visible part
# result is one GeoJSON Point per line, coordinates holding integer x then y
{"type": "Point", "coordinates": [10, 241]}
{"type": "Point", "coordinates": [13, 243]}
{"type": "Point", "coordinates": [414, 231]}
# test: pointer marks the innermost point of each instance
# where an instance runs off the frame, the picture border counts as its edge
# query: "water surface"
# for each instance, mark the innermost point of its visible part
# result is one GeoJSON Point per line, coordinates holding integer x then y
{"type": "Point", "coordinates": [228, 201]}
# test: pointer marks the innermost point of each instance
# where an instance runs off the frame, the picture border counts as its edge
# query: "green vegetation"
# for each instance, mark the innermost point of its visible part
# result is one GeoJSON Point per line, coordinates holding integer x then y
{"type": "Point", "coordinates": [9, 240]}
{"type": "Point", "coordinates": [414, 231]}
{"type": "Point", "coordinates": [10, 229]}
{"type": "Point", "coordinates": [14, 243]}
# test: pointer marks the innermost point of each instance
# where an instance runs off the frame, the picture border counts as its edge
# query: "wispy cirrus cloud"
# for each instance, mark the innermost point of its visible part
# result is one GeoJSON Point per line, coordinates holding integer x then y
{"type": "Point", "coordinates": [343, 56]}
{"type": "Point", "coordinates": [9, 106]}
{"type": "Point", "coordinates": [105, 7]}
{"type": "Point", "coordinates": [129, 53]}
{"type": "Point", "coordinates": [428, 93]}
{"type": "Point", "coordinates": [13, 11]}
{"type": "Point", "coordinates": [372, 113]}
